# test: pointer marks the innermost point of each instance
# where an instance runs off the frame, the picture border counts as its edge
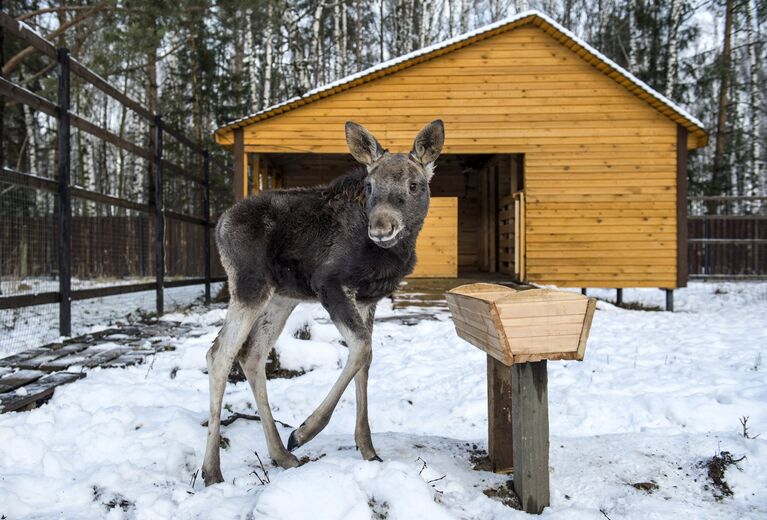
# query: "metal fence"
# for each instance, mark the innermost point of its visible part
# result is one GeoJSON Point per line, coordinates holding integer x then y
{"type": "Point", "coordinates": [727, 237]}
{"type": "Point", "coordinates": [62, 243]}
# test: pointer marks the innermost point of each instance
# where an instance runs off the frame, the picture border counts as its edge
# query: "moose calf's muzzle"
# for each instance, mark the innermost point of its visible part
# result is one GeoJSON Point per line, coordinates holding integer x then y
{"type": "Point", "coordinates": [383, 227]}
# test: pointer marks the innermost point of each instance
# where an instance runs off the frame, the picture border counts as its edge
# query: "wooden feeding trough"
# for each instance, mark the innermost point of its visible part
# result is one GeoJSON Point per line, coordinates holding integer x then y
{"type": "Point", "coordinates": [520, 330]}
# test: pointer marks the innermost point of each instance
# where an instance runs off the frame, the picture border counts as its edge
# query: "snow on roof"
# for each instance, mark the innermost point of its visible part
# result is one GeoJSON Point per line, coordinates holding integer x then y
{"type": "Point", "coordinates": [532, 13]}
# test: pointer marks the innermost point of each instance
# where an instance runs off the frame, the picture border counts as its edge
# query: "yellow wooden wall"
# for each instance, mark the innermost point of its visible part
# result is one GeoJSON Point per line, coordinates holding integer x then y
{"type": "Point", "coordinates": [437, 246]}
{"type": "Point", "coordinates": [600, 164]}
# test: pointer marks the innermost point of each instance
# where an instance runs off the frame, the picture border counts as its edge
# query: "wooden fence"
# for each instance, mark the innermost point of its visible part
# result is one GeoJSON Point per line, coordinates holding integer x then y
{"type": "Point", "coordinates": [727, 242]}
{"type": "Point", "coordinates": [152, 240]}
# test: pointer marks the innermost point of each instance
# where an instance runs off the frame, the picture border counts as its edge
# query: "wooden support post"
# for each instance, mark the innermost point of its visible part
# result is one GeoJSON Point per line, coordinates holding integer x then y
{"type": "Point", "coordinates": [258, 166]}
{"type": "Point", "coordinates": [65, 201]}
{"type": "Point", "coordinates": [493, 217]}
{"type": "Point", "coordinates": [530, 431]}
{"type": "Point", "coordinates": [618, 297]}
{"type": "Point", "coordinates": [670, 300]}
{"type": "Point", "coordinates": [159, 219]}
{"type": "Point", "coordinates": [499, 421]}
{"type": "Point", "coordinates": [240, 183]}
{"type": "Point", "coordinates": [206, 216]}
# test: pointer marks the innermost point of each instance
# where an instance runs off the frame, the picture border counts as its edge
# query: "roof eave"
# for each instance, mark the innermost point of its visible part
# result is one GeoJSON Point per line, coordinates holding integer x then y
{"type": "Point", "coordinates": [639, 88]}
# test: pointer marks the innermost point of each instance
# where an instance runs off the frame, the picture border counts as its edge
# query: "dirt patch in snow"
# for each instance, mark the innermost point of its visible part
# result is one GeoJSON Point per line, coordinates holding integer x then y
{"type": "Point", "coordinates": [716, 468]}
{"type": "Point", "coordinates": [505, 494]}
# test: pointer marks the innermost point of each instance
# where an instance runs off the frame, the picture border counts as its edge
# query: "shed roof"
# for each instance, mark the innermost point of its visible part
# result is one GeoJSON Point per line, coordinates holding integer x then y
{"type": "Point", "coordinates": [601, 62]}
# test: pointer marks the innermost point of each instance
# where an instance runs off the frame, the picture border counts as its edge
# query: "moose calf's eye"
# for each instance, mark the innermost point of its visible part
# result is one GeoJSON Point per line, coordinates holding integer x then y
{"type": "Point", "coordinates": [368, 188]}
{"type": "Point", "coordinates": [413, 187]}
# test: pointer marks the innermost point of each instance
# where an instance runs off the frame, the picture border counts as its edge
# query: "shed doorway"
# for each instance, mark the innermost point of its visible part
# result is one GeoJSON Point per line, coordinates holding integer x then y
{"type": "Point", "coordinates": [476, 218]}
{"type": "Point", "coordinates": [502, 203]}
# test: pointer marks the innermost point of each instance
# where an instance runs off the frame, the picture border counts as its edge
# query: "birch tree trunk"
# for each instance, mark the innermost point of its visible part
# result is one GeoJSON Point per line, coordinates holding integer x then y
{"type": "Point", "coordinates": [357, 31]}
{"type": "Point", "coordinates": [268, 59]}
{"type": "Point", "coordinates": [757, 182]}
{"type": "Point", "coordinates": [344, 39]}
{"type": "Point", "coordinates": [31, 128]}
{"type": "Point", "coordinates": [319, 72]}
{"type": "Point", "coordinates": [464, 16]}
{"type": "Point", "coordinates": [718, 177]}
{"type": "Point", "coordinates": [633, 36]}
{"type": "Point", "coordinates": [250, 57]}
{"type": "Point", "coordinates": [672, 69]}
{"type": "Point", "coordinates": [337, 38]}
{"type": "Point", "coordinates": [426, 7]}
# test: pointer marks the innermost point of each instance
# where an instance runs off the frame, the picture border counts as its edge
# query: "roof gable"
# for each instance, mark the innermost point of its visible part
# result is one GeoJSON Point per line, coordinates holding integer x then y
{"type": "Point", "coordinates": [542, 21]}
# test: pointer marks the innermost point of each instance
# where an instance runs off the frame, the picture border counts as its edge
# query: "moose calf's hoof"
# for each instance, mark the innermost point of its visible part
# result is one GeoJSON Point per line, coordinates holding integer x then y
{"type": "Point", "coordinates": [376, 458]}
{"type": "Point", "coordinates": [293, 441]}
{"type": "Point", "coordinates": [287, 461]}
{"type": "Point", "coordinates": [212, 477]}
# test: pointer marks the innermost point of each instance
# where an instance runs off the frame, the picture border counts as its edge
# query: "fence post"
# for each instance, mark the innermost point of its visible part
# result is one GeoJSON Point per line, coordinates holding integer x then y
{"type": "Point", "coordinates": [65, 201]}
{"type": "Point", "coordinates": [206, 216]}
{"type": "Point", "coordinates": [159, 218]}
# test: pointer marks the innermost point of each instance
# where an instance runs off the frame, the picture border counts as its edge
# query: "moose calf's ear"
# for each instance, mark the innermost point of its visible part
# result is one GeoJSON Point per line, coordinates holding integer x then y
{"type": "Point", "coordinates": [363, 146]}
{"type": "Point", "coordinates": [428, 145]}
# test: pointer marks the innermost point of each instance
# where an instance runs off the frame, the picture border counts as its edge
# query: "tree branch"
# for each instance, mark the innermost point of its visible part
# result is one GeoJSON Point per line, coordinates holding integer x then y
{"type": "Point", "coordinates": [18, 58]}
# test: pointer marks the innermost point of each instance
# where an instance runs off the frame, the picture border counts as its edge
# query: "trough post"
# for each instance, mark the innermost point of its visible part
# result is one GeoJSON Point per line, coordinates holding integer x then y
{"type": "Point", "coordinates": [65, 201]}
{"type": "Point", "coordinates": [618, 297]}
{"type": "Point", "coordinates": [206, 216]}
{"type": "Point", "coordinates": [530, 431]}
{"type": "Point", "coordinates": [159, 218]}
{"type": "Point", "coordinates": [499, 416]}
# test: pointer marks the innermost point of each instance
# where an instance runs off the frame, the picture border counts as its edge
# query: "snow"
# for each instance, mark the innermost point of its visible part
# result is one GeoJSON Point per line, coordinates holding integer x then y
{"type": "Point", "coordinates": [29, 327]}
{"type": "Point", "coordinates": [463, 37]}
{"type": "Point", "coordinates": [657, 394]}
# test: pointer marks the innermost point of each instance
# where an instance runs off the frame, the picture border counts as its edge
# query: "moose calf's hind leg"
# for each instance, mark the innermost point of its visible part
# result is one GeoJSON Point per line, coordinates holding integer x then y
{"type": "Point", "coordinates": [253, 362]}
{"type": "Point", "coordinates": [239, 321]}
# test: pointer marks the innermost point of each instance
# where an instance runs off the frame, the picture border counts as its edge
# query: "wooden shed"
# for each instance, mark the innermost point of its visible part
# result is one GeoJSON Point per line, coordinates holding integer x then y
{"type": "Point", "coordinates": [559, 166]}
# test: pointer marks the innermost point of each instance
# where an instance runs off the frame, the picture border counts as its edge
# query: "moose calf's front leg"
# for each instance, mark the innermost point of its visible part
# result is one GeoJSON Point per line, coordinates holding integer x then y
{"type": "Point", "coordinates": [350, 324]}
{"type": "Point", "coordinates": [362, 435]}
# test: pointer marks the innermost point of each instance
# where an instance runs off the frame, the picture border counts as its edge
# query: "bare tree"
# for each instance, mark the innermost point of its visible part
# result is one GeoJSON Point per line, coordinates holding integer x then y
{"type": "Point", "coordinates": [757, 175]}
{"type": "Point", "coordinates": [672, 70]}
{"type": "Point", "coordinates": [633, 36]}
{"type": "Point", "coordinates": [316, 43]}
{"type": "Point", "coordinates": [266, 97]}
{"type": "Point", "coordinates": [719, 171]}
{"type": "Point", "coordinates": [250, 57]}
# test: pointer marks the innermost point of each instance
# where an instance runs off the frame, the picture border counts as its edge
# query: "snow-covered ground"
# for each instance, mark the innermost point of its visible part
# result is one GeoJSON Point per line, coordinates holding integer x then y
{"type": "Point", "coordinates": [657, 394]}
{"type": "Point", "coordinates": [30, 327]}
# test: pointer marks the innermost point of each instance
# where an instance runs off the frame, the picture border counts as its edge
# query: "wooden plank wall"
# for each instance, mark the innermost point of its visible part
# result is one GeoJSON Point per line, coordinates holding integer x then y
{"type": "Point", "coordinates": [600, 163]}
{"type": "Point", "coordinates": [437, 246]}
{"type": "Point", "coordinates": [453, 179]}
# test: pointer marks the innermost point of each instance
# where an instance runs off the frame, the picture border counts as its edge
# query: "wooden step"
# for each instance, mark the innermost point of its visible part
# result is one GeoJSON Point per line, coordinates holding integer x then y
{"type": "Point", "coordinates": [36, 392]}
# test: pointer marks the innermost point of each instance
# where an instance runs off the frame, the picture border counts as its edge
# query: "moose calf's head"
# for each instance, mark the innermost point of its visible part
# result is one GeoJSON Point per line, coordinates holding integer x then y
{"type": "Point", "coordinates": [397, 185]}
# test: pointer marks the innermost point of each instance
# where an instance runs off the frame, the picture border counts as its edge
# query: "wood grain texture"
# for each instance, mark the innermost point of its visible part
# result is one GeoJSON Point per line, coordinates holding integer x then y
{"type": "Point", "coordinates": [520, 326]}
{"type": "Point", "coordinates": [437, 245]}
{"type": "Point", "coordinates": [530, 431]}
{"type": "Point", "coordinates": [499, 416]}
{"type": "Point", "coordinates": [601, 165]}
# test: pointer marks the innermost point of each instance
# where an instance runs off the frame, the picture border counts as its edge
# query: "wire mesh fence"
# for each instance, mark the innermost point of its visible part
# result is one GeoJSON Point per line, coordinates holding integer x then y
{"type": "Point", "coordinates": [100, 203]}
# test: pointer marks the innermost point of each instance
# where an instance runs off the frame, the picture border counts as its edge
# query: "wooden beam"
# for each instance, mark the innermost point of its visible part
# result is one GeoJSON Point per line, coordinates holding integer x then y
{"type": "Point", "coordinates": [493, 216]}
{"type": "Point", "coordinates": [681, 207]}
{"type": "Point", "coordinates": [530, 430]}
{"type": "Point", "coordinates": [240, 183]}
{"type": "Point", "coordinates": [258, 165]}
{"type": "Point", "coordinates": [499, 423]}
